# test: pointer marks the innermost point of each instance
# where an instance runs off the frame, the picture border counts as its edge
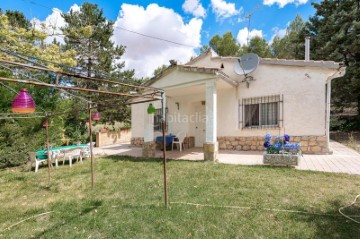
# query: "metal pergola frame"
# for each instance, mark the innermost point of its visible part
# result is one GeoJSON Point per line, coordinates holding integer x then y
{"type": "Point", "coordinates": [149, 94]}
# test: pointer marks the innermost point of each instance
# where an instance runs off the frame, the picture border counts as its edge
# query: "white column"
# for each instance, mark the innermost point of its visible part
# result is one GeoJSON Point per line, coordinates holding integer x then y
{"type": "Point", "coordinates": [148, 126]}
{"type": "Point", "coordinates": [211, 111]}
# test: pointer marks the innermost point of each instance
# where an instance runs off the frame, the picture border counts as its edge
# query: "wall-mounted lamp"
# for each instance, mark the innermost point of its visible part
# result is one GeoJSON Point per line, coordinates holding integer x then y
{"type": "Point", "coordinates": [178, 105]}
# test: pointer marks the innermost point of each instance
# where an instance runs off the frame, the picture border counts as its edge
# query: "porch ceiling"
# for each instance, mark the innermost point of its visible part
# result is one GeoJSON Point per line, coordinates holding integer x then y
{"type": "Point", "coordinates": [198, 89]}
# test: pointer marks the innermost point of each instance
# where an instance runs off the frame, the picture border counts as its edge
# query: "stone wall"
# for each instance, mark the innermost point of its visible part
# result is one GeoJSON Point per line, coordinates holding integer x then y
{"type": "Point", "coordinates": [149, 150]}
{"type": "Point", "coordinates": [137, 141]}
{"type": "Point", "coordinates": [309, 144]}
{"type": "Point", "coordinates": [188, 141]}
{"type": "Point", "coordinates": [113, 137]}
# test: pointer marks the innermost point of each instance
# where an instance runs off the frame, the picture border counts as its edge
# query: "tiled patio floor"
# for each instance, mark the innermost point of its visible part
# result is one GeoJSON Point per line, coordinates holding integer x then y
{"type": "Point", "coordinates": [343, 159]}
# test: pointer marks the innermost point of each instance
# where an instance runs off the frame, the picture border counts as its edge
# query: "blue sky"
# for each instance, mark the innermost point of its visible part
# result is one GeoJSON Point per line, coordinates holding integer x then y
{"type": "Point", "coordinates": [189, 22]}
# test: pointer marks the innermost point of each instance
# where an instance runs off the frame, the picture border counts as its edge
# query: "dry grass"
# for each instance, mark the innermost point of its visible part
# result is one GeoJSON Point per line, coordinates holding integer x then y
{"type": "Point", "coordinates": [350, 139]}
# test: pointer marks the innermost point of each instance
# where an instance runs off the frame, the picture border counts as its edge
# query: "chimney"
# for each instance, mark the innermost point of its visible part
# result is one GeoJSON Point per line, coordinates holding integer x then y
{"type": "Point", "coordinates": [307, 48]}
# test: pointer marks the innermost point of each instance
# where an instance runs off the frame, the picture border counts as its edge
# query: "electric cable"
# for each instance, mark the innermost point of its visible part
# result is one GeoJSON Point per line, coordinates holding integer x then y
{"type": "Point", "coordinates": [29, 77]}
{"type": "Point", "coordinates": [262, 209]}
{"type": "Point", "coordinates": [122, 28]}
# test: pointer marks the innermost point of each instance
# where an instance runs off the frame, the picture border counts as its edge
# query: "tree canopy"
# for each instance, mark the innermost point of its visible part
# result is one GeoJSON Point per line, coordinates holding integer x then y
{"type": "Point", "coordinates": [89, 33]}
{"type": "Point", "coordinates": [335, 30]}
{"type": "Point", "coordinates": [291, 46]}
{"type": "Point", "coordinates": [225, 45]}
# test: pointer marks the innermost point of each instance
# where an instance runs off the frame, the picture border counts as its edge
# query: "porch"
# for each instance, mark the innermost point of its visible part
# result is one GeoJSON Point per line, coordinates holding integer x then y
{"type": "Point", "coordinates": [343, 159]}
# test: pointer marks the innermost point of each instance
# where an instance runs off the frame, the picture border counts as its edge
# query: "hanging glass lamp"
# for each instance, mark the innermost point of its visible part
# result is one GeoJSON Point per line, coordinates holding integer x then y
{"type": "Point", "coordinates": [151, 109]}
{"type": "Point", "coordinates": [23, 103]}
{"type": "Point", "coordinates": [96, 116]}
{"type": "Point", "coordinates": [83, 115]}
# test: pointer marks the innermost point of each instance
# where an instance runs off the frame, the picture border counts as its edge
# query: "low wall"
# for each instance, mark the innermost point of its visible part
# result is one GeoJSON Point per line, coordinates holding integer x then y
{"type": "Point", "coordinates": [309, 144]}
{"type": "Point", "coordinates": [189, 142]}
{"type": "Point", "coordinates": [113, 137]}
{"type": "Point", "coordinates": [137, 141]}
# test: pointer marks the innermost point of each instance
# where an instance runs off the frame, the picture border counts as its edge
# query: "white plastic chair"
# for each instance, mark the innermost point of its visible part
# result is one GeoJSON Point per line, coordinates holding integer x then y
{"type": "Point", "coordinates": [72, 155]}
{"type": "Point", "coordinates": [56, 155]}
{"type": "Point", "coordinates": [85, 153]}
{"type": "Point", "coordinates": [178, 140]}
{"type": "Point", "coordinates": [38, 161]}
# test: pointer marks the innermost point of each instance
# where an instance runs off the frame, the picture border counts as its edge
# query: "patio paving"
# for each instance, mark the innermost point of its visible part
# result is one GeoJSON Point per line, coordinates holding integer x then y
{"type": "Point", "coordinates": [343, 159]}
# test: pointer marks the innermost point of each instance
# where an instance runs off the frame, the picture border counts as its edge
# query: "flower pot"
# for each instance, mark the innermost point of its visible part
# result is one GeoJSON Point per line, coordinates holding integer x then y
{"type": "Point", "coordinates": [104, 130]}
{"type": "Point", "coordinates": [281, 159]}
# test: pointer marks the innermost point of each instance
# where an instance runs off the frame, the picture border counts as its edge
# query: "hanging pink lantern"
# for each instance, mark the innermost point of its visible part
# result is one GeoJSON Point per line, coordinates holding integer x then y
{"type": "Point", "coordinates": [23, 103]}
{"type": "Point", "coordinates": [96, 116]}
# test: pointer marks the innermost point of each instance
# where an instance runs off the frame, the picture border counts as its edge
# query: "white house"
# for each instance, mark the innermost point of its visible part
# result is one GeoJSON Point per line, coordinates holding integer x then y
{"type": "Point", "coordinates": [216, 109]}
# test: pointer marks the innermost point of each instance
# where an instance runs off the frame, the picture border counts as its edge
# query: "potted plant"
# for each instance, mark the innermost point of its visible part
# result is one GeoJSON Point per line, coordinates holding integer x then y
{"type": "Point", "coordinates": [280, 151]}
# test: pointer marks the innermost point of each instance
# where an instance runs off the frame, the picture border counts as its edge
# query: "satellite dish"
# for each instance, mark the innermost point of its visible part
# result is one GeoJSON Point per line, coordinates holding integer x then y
{"type": "Point", "coordinates": [246, 64]}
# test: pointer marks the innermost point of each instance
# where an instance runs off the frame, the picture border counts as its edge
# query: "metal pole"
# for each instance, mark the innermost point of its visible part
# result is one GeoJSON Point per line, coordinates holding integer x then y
{"type": "Point", "coordinates": [91, 147]}
{"type": "Point", "coordinates": [163, 103]}
{"type": "Point", "coordinates": [48, 149]}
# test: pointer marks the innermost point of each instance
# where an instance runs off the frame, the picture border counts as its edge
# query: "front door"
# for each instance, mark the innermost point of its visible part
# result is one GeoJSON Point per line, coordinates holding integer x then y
{"type": "Point", "coordinates": [200, 125]}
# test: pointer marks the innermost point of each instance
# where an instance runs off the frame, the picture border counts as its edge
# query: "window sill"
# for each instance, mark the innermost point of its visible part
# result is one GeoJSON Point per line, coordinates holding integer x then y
{"type": "Point", "coordinates": [261, 128]}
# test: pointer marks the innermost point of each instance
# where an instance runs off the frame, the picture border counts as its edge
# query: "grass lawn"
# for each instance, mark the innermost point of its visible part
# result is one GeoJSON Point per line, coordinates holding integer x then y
{"type": "Point", "coordinates": [127, 201]}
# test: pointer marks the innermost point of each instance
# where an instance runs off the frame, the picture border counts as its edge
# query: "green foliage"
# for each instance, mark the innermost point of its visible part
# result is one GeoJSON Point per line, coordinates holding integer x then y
{"type": "Point", "coordinates": [347, 124]}
{"type": "Point", "coordinates": [89, 32]}
{"type": "Point", "coordinates": [291, 46]}
{"type": "Point", "coordinates": [204, 48]}
{"type": "Point", "coordinates": [20, 136]}
{"type": "Point", "coordinates": [225, 45]}
{"type": "Point", "coordinates": [160, 69]}
{"type": "Point", "coordinates": [258, 46]}
{"type": "Point", "coordinates": [28, 41]}
{"type": "Point", "coordinates": [18, 19]}
{"type": "Point", "coordinates": [335, 30]}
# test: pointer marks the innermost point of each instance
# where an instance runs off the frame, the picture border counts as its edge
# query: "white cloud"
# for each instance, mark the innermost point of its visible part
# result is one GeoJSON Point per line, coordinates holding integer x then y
{"type": "Point", "coordinates": [277, 32]}
{"type": "Point", "coordinates": [222, 9]}
{"type": "Point", "coordinates": [53, 24]}
{"type": "Point", "coordinates": [282, 3]}
{"type": "Point", "coordinates": [194, 7]}
{"type": "Point", "coordinates": [243, 35]}
{"type": "Point", "coordinates": [75, 8]}
{"type": "Point", "coordinates": [146, 54]}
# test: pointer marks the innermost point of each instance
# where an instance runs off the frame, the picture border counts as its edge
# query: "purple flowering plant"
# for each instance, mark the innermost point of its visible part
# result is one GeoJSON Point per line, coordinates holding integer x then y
{"type": "Point", "coordinates": [281, 145]}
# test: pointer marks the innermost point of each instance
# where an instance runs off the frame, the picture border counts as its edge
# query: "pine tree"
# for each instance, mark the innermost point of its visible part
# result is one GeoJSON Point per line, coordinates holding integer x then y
{"type": "Point", "coordinates": [335, 31]}
{"type": "Point", "coordinates": [89, 33]}
{"type": "Point", "coordinates": [225, 45]}
{"type": "Point", "coordinates": [258, 46]}
{"type": "Point", "coordinates": [291, 46]}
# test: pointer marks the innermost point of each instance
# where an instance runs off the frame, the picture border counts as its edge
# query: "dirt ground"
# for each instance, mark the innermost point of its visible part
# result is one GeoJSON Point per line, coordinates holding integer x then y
{"type": "Point", "coordinates": [350, 139]}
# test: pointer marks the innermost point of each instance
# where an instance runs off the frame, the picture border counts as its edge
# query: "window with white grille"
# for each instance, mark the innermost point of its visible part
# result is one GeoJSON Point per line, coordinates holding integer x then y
{"type": "Point", "coordinates": [261, 112]}
{"type": "Point", "coordinates": [157, 120]}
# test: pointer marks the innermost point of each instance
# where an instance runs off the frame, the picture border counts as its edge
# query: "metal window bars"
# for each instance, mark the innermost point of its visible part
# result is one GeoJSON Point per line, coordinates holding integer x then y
{"type": "Point", "coordinates": [261, 112]}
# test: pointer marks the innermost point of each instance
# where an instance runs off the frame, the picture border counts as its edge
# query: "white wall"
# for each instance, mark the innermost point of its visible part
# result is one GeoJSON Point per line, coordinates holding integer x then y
{"type": "Point", "coordinates": [304, 100]}
{"type": "Point", "coordinates": [302, 88]}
